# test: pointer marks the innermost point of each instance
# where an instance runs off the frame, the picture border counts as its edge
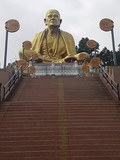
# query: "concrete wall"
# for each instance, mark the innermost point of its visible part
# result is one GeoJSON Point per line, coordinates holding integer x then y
{"type": "Point", "coordinates": [5, 75]}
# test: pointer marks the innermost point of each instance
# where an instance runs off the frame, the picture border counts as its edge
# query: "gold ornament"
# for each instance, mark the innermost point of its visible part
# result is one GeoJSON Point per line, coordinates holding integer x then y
{"type": "Point", "coordinates": [31, 69]}
{"type": "Point", "coordinates": [22, 63]}
{"type": "Point", "coordinates": [91, 44]}
{"type": "Point", "coordinates": [27, 45]}
{"type": "Point", "coordinates": [95, 62]}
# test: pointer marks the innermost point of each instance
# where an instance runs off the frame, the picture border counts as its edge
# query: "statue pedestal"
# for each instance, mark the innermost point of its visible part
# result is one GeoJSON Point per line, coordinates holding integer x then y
{"type": "Point", "coordinates": [58, 69]}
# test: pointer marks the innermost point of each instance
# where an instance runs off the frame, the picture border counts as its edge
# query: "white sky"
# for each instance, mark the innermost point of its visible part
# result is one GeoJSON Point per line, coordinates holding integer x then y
{"type": "Point", "coordinates": [80, 18]}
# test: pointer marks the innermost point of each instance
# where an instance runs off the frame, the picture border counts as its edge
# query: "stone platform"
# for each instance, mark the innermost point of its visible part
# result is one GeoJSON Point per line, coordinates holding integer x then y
{"type": "Point", "coordinates": [58, 69]}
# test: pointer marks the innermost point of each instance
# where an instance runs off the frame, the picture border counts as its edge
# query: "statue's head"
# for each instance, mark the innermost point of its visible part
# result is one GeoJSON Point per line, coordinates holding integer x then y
{"type": "Point", "coordinates": [52, 18]}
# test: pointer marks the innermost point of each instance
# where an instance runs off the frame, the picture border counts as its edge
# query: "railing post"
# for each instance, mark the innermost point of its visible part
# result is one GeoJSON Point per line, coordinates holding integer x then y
{"type": "Point", "coordinates": [3, 94]}
{"type": "Point", "coordinates": [14, 79]}
{"type": "Point", "coordinates": [118, 91]}
{"type": "Point", "coordinates": [0, 92]}
{"type": "Point", "coordinates": [111, 84]}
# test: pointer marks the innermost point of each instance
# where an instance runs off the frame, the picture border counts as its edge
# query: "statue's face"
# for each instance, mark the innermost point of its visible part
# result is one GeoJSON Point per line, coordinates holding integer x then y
{"type": "Point", "coordinates": [52, 18]}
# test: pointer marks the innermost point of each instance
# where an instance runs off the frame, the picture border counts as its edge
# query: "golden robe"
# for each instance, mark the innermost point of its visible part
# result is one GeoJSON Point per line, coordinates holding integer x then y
{"type": "Point", "coordinates": [61, 48]}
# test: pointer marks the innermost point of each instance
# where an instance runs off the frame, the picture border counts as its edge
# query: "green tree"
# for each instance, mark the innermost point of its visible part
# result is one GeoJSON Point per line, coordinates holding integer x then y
{"type": "Point", "coordinates": [118, 55]}
{"type": "Point", "coordinates": [106, 56]}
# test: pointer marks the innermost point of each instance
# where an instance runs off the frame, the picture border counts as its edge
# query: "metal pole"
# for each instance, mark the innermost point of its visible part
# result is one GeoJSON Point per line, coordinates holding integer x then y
{"type": "Point", "coordinates": [6, 43]}
{"type": "Point", "coordinates": [95, 51]}
{"type": "Point", "coordinates": [0, 92]}
{"type": "Point", "coordinates": [113, 43]}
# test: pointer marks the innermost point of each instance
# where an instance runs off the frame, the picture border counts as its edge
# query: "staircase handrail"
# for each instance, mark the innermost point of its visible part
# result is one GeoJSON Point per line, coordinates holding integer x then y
{"type": "Point", "coordinates": [0, 92]}
{"type": "Point", "coordinates": [110, 81]}
{"type": "Point", "coordinates": [10, 85]}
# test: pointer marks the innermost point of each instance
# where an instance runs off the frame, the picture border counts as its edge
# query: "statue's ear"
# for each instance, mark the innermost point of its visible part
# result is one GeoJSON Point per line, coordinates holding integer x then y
{"type": "Point", "coordinates": [60, 21]}
{"type": "Point", "coordinates": [45, 21]}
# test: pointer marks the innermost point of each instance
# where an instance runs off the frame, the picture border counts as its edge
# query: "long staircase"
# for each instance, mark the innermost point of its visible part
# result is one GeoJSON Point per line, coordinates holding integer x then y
{"type": "Point", "coordinates": [60, 118]}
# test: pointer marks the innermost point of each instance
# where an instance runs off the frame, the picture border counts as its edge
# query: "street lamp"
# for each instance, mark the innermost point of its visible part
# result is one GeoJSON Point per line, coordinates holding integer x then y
{"type": "Point", "coordinates": [11, 25]}
{"type": "Point", "coordinates": [108, 25]}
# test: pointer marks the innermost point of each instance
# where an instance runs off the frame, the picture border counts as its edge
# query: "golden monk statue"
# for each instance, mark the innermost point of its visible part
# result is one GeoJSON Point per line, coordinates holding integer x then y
{"type": "Point", "coordinates": [52, 44]}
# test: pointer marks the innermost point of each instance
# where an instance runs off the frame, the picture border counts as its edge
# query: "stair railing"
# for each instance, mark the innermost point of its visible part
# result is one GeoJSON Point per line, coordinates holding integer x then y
{"type": "Point", "coordinates": [8, 88]}
{"type": "Point", "coordinates": [0, 92]}
{"type": "Point", "coordinates": [112, 83]}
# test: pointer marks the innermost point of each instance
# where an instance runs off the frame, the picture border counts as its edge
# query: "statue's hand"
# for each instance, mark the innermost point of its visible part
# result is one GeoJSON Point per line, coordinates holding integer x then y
{"type": "Point", "coordinates": [41, 57]}
{"type": "Point", "coordinates": [70, 58]}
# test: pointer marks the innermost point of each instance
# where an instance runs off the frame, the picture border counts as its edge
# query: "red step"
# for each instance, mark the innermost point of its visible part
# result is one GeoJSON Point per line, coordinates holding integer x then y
{"type": "Point", "coordinates": [60, 118]}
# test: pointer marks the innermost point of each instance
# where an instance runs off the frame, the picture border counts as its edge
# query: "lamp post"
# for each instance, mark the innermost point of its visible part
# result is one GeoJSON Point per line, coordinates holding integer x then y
{"type": "Point", "coordinates": [113, 43]}
{"type": "Point", "coordinates": [108, 25]}
{"type": "Point", "coordinates": [11, 25]}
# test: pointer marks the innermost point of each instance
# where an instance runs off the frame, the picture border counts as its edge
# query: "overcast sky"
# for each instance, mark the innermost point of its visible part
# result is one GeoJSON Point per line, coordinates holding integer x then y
{"type": "Point", "coordinates": [80, 18]}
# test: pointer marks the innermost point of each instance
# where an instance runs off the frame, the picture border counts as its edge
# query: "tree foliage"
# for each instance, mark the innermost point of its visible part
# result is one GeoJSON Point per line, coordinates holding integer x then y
{"type": "Point", "coordinates": [118, 57]}
{"type": "Point", "coordinates": [105, 54]}
{"type": "Point", "coordinates": [82, 46]}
